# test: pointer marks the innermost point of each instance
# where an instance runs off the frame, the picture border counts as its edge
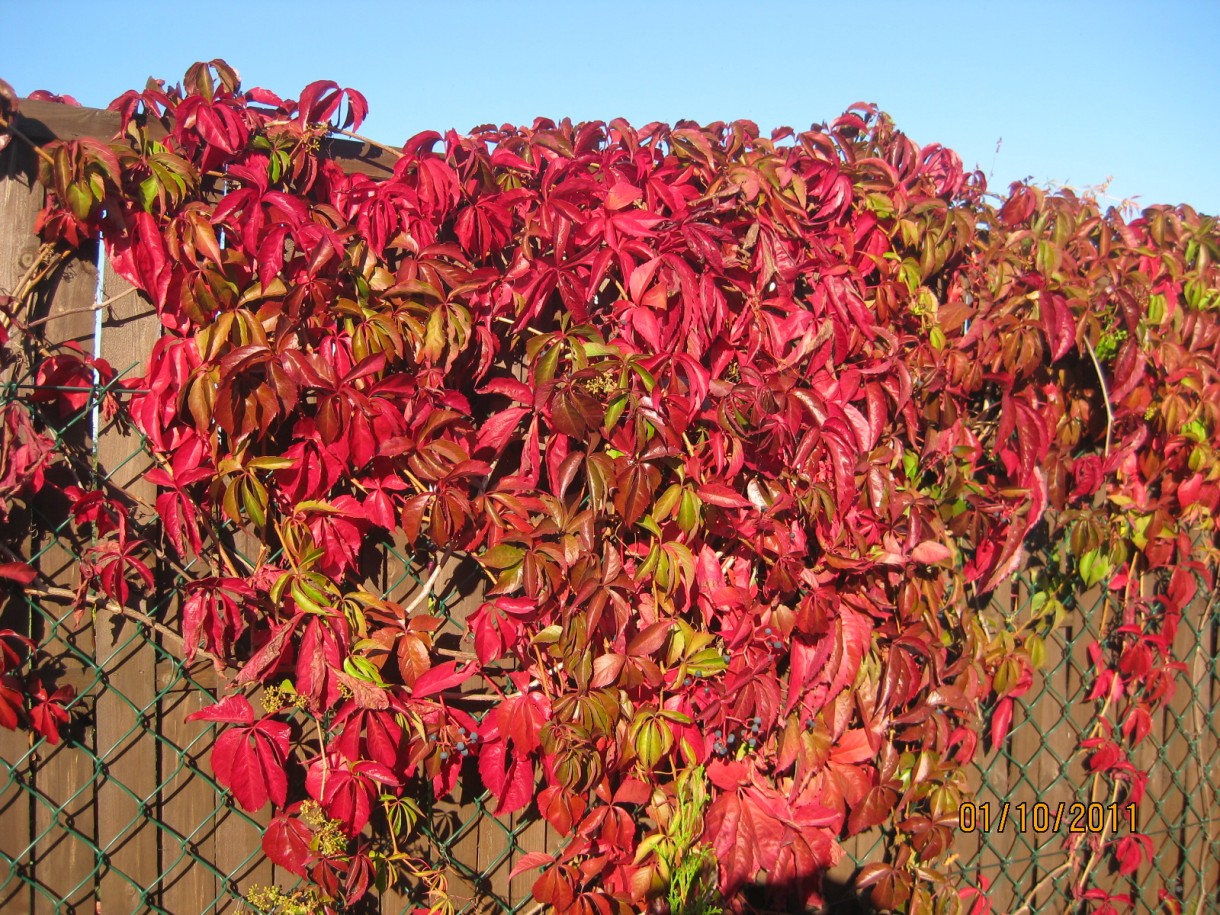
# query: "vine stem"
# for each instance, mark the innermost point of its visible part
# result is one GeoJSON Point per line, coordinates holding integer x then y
{"type": "Point", "coordinates": [426, 591]}
{"type": "Point", "coordinates": [46, 262]}
{"type": "Point", "coordinates": [135, 615]}
{"type": "Point", "coordinates": [1101, 844]}
{"type": "Point", "coordinates": [1050, 877]}
{"type": "Point", "coordinates": [363, 139]}
{"type": "Point", "coordinates": [38, 150]}
{"type": "Point", "coordinates": [82, 310]}
{"type": "Point", "coordinates": [1105, 394]}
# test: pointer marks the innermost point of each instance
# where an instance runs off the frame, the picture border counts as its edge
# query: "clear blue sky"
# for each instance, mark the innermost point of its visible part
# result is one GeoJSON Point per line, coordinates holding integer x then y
{"type": "Point", "coordinates": [1073, 92]}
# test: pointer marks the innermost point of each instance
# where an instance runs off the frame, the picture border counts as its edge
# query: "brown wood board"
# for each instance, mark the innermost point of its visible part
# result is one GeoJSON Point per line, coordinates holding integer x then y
{"type": "Point", "coordinates": [126, 653]}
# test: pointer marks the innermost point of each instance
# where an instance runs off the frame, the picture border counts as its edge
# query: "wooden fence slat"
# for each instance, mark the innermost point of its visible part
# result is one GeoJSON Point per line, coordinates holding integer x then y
{"type": "Point", "coordinates": [996, 843]}
{"type": "Point", "coordinates": [188, 803]}
{"type": "Point", "coordinates": [66, 864]}
{"type": "Point", "coordinates": [42, 121]}
{"type": "Point", "coordinates": [18, 204]}
{"type": "Point", "coordinates": [235, 840]}
{"type": "Point", "coordinates": [1209, 700]}
{"type": "Point", "coordinates": [232, 835]}
{"type": "Point", "coordinates": [493, 845]}
{"type": "Point", "coordinates": [1180, 801]}
{"type": "Point", "coordinates": [534, 837]}
{"type": "Point", "coordinates": [1049, 696]}
{"type": "Point", "coordinates": [62, 863]}
{"type": "Point", "coordinates": [466, 851]}
{"type": "Point", "coordinates": [126, 708]}
{"type": "Point", "coordinates": [1025, 747]}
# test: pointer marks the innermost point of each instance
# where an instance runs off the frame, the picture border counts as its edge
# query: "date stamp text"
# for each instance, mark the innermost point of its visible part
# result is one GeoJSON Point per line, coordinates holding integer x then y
{"type": "Point", "coordinates": [1077, 817]}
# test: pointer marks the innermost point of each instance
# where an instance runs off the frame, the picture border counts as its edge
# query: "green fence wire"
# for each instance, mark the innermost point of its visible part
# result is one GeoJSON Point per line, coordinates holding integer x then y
{"type": "Point", "coordinates": [64, 848]}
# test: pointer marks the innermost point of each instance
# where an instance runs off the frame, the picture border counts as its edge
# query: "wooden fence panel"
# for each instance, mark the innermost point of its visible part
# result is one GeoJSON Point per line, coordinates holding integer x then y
{"type": "Point", "coordinates": [63, 772]}
{"type": "Point", "coordinates": [187, 802]}
{"type": "Point", "coordinates": [18, 248]}
{"type": "Point", "coordinates": [59, 827]}
{"type": "Point", "coordinates": [126, 708]}
{"type": "Point", "coordinates": [232, 834]}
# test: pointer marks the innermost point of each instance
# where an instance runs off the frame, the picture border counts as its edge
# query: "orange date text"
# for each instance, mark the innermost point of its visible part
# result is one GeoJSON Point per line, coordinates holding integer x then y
{"type": "Point", "coordinates": [1076, 817]}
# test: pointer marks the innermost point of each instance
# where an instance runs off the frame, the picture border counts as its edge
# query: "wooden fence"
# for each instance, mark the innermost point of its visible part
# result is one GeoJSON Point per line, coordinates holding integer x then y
{"type": "Point", "coordinates": [123, 817]}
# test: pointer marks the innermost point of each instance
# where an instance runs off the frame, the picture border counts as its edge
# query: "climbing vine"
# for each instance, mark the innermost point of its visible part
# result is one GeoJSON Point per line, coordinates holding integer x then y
{"type": "Point", "coordinates": [742, 431]}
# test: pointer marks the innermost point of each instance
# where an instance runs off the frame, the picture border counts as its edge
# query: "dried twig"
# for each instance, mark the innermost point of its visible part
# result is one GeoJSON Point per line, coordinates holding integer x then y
{"type": "Point", "coordinates": [118, 609]}
{"type": "Point", "coordinates": [38, 150]}
{"type": "Point", "coordinates": [1050, 877]}
{"type": "Point", "coordinates": [397, 153]}
{"type": "Point", "coordinates": [82, 310]}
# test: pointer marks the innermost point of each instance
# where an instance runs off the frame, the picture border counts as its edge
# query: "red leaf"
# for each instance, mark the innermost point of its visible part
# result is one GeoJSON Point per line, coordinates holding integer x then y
{"type": "Point", "coordinates": [12, 701]}
{"type": "Point", "coordinates": [873, 810]}
{"type": "Point", "coordinates": [727, 776]}
{"type": "Point", "coordinates": [232, 709]}
{"type": "Point", "coordinates": [931, 553]}
{"type": "Point", "coordinates": [621, 195]}
{"type": "Point", "coordinates": [721, 495]}
{"type": "Point", "coordinates": [521, 717]}
{"type": "Point", "coordinates": [267, 658]}
{"type": "Point", "coordinates": [531, 860]}
{"type": "Point", "coordinates": [509, 776]}
{"type": "Point", "coordinates": [1130, 852]}
{"type": "Point", "coordinates": [440, 678]}
{"type": "Point", "coordinates": [286, 843]}
{"type": "Point", "coordinates": [21, 572]}
{"type": "Point", "coordinates": [650, 639]}
{"type": "Point", "coordinates": [1001, 721]}
{"type": "Point", "coordinates": [500, 429]}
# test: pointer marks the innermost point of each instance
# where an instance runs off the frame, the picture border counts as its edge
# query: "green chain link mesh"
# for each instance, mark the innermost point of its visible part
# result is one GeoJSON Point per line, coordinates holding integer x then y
{"type": "Point", "coordinates": [69, 851]}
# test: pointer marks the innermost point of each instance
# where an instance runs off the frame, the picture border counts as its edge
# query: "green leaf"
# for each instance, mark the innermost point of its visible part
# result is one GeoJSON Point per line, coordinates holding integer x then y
{"type": "Point", "coordinates": [548, 636]}
{"type": "Point", "coordinates": [707, 662]}
{"type": "Point", "coordinates": [1157, 307]}
{"type": "Point", "coordinates": [270, 462]}
{"type": "Point", "coordinates": [1093, 567]}
{"type": "Point", "coordinates": [502, 556]}
{"type": "Point", "coordinates": [645, 376]}
{"type": "Point", "coordinates": [254, 499]}
{"type": "Point", "coordinates": [307, 598]}
{"type": "Point", "coordinates": [615, 410]}
{"type": "Point", "coordinates": [650, 524]}
{"type": "Point", "coordinates": [1037, 650]}
{"type": "Point", "coordinates": [544, 370]}
{"type": "Point", "coordinates": [668, 501]}
{"type": "Point", "coordinates": [688, 511]}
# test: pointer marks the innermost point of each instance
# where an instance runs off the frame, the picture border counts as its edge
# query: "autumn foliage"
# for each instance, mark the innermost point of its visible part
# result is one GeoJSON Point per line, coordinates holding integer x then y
{"type": "Point", "coordinates": [741, 430]}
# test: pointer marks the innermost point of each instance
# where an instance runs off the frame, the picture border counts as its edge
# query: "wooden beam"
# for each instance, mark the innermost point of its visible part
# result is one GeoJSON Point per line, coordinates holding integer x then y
{"type": "Point", "coordinates": [43, 122]}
